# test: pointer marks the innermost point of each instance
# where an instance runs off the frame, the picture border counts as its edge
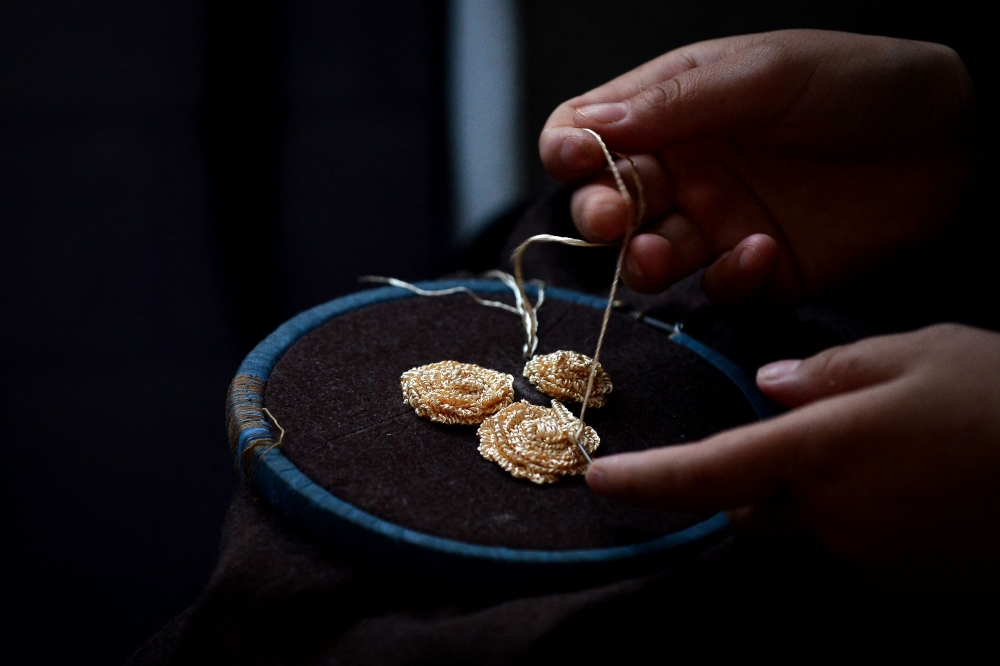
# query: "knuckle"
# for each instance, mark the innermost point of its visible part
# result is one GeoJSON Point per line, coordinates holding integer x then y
{"type": "Point", "coordinates": [835, 364]}
{"type": "Point", "coordinates": [944, 330]}
{"type": "Point", "coordinates": [697, 483]}
{"type": "Point", "coordinates": [851, 366]}
{"type": "Point", "coordinates": [660, 95]}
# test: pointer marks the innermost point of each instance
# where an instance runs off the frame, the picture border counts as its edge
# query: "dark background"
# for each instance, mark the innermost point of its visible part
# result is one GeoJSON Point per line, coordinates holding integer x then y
{"type": "Point", "coordinates": [177, 178]}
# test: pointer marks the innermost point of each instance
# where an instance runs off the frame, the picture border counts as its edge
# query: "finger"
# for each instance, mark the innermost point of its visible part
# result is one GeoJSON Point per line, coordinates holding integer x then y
{"type": "Point", "coordinates": [697, 91]}
{"type": "Point", "coordinates": [743, 91]}
{"type": "Point", "coordinates": [598, 209]}
{"type": "Point", "coordinates": [743, 272]}
{"type": "Point", "coordinates": [666, 252]}
{"type": "Point", "coordinates": [726, 213]}
{"type": "Point", "coordinates": [569, 153]}
{"type": "Point", "coordinates": [736, 468]}
{"type": "Point", "coordinates": [771, 518]}
{"type": "Point", "coordinates": [836, 370]}
{"type": "Point", "coordinates": [649, 264]}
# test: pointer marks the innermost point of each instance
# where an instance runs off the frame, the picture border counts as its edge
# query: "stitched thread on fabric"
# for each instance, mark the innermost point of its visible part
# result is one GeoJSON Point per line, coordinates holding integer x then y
{"type": "Point", "coordinates": [564, 376]}
{"type": "Point", "coordinates": [456, 393]}
{"type": "Point", "coordinates": [533, 442]}
{"type": "Point", "coordinates": [561, 374]}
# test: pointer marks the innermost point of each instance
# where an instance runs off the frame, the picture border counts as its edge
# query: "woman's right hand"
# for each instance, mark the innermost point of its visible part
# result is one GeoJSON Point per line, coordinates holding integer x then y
{"type": "Point", "coordinates": [784, 161]}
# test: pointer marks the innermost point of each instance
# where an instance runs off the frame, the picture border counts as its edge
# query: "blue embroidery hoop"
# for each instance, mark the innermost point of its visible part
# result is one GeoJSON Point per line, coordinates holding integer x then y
{"type": "Point", "coordinates": [321, 513]}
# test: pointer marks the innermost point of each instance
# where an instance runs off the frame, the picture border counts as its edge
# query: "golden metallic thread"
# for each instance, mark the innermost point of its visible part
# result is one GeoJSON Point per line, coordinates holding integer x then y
{"type": "Point", "coordinates": [637, 213]}
{"type": "Point", "coordinates": [533, 442]}
{"type": "Point", "coordinates": [564, 374]}
{"type": "Point", "coordinates": [456, 393]}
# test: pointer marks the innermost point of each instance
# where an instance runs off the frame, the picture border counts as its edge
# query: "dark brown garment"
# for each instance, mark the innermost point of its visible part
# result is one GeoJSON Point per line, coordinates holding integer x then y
{"type": "Point", "coordinates": [278, 596]}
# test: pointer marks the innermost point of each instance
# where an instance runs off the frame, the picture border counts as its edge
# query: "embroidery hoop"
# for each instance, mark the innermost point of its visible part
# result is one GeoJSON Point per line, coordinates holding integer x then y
{"type": "Point", "coordinates": [315, 509]}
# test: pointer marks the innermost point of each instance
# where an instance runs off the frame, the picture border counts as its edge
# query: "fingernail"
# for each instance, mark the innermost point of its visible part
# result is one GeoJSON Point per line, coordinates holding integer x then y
{"type": "Point", "coordinates": [632, 267]}
{"type": "Point", "coordinates": [749, 259]}
{"type": "Point", "coordinates": [777, 371]}
{"type": "Point", "coordinates": [596, 479]}
{"type": "Point", "coordinates": [604, 113]}
{"type": "Point", "coordinates": [572, 153]}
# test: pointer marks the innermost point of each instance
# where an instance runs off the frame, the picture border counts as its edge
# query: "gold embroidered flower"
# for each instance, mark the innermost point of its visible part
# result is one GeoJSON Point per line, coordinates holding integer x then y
{"type": "Point", "coordinates": [564, 374]}
{"type": "Point", "coordinates": [535, 443]}
{"type": "Point", "coordinates": [456, 393]}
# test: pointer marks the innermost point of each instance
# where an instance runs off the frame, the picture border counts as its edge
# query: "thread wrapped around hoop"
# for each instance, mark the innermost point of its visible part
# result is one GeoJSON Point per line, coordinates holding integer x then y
{"type": "Point", "coordinates": [250, 436]}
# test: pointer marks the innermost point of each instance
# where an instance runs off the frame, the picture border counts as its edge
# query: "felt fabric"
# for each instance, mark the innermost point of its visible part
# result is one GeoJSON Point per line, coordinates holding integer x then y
{"type": "Point", "coordinates": [336, 393]}
{"type": "Point", "coordinates": [280, 597]}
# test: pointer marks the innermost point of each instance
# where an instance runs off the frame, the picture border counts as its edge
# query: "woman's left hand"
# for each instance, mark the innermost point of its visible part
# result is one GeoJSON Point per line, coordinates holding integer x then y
{"type": "Point", "coordinates": [890, 457]}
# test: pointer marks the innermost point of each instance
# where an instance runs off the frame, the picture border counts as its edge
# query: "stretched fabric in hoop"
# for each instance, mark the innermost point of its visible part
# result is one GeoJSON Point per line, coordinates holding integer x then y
{"type": "Point", "coordinates": [314, 508]}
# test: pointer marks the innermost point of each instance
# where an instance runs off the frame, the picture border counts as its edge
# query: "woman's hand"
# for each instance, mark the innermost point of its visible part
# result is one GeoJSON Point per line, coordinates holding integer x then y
{"type": "Point", "coordinates": [785, 161]}
{"type": "Point", "coordinates": [890, 457]}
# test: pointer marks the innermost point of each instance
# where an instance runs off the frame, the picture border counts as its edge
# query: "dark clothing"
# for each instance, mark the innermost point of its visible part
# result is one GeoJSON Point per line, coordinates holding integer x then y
{"type": "Point", "coordinates": [280, 597]}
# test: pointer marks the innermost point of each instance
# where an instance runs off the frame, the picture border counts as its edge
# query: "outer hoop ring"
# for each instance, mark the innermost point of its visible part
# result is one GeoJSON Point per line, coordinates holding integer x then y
{"type": "Point", "coordinates": [318, 511]}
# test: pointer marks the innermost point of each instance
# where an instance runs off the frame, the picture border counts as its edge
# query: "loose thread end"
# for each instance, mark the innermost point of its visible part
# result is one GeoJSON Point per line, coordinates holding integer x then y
{"type": "Point", "coordinates": [253, 453]}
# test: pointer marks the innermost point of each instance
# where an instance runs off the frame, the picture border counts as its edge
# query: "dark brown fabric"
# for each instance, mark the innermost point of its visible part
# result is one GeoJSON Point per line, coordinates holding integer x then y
{"type": "Point", "coordinates": [280, 597]}
{"type": "Point", "coordinates": [337, 395]}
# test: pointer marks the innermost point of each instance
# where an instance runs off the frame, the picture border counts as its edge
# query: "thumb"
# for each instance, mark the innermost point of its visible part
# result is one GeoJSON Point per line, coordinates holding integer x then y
{"type": "Point", "coordinates": [837, 370]}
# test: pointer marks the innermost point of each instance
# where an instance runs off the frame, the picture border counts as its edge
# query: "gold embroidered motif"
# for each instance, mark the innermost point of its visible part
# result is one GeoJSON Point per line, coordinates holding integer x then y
{"type": "Point", "coordinates": [533, 442]}
{"type": "Point", "coordinates": [456, 393]}
{"type": "Point", "coordinates": [564, 374]}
